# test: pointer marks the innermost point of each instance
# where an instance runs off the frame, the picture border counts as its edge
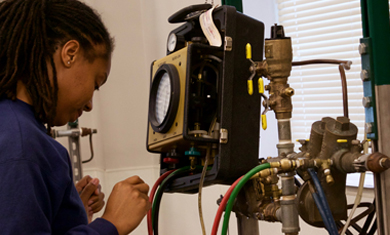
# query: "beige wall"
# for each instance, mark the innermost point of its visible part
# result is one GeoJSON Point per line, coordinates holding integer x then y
{"type": "Point", "coordinates": [140, 28]}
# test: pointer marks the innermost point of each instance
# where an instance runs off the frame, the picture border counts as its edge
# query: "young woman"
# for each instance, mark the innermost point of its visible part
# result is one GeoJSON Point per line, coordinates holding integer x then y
{"type": "Point", "coordinates": [53, 55]}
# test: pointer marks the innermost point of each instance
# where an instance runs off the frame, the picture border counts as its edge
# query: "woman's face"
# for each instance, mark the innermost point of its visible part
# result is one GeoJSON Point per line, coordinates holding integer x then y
{"type": "Point", "coordinates": [77, 79]}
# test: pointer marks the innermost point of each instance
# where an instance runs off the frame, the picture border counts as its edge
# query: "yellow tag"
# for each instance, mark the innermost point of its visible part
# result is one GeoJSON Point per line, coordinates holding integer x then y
{"type": "Point", "coordinates": [264, 121]}
{"type": "Point", "coordinates": [250, 87]}
{"type": "Point", "coordinates": [248, 51]}
{"type": "Point", "coordinates": [342, 141]}
{"type": "Point", "coordinates": [260, 83]}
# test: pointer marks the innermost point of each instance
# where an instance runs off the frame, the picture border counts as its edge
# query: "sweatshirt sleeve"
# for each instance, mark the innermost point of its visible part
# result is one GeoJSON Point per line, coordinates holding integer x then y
{"type": "Point", "coordinates": [99, 227]}
{"type": "Point", "coordinates": [31, 205]}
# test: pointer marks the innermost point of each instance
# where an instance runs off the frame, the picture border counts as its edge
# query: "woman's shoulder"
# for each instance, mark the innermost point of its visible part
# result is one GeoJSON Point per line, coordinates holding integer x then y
{"type": "Point", "coordinates": [23, 137]}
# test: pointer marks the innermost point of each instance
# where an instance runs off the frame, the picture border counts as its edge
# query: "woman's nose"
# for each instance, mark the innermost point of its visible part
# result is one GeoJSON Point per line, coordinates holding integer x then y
{"type": "Point", "coordinates": [88, 107]}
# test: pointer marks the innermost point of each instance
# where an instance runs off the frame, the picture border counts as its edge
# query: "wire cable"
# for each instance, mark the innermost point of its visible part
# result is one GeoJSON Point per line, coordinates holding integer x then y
{"type": "Point", "coordinates": [222, 207]}
{"type": "Point", "coordinates": [156, 203]}
{"type": "Point", "coordinates": [235, 192]}
{"type": "Point", "coordinates": [152, 193]}
{"type": "Point", "coordinates": [324, 203]}
{"type": "Point", "coordinates": [357, 201]}
{"type": "Point", "coordinates": [203, 175]}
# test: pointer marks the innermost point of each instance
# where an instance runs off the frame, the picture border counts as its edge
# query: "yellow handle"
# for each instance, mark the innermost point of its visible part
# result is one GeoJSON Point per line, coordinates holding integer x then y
{"type": "Point", "coordinates": [260, 83]}
{"type": "Point", "coordinates": [248, 51]}
{"type": "Point", "coordinates": [264, 121]}
{"type": "Point", "coordinates": [250, 87]}
{"type": "Point", "coordinates": [342, 141]}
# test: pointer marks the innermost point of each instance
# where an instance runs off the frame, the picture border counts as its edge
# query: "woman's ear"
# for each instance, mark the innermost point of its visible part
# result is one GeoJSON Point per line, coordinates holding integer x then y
{"type": "Point", "coordinates": [70, 52]}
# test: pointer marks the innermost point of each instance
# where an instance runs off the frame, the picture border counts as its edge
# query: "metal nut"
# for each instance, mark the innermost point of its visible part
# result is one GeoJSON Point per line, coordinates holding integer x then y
{"type": "Point", "coordinates": [363, 48]}
{"type": "Point", "coordinates": [369, 127]}
{"type": "Point", "coordinates": [365, 75]}
{"type": "Point", "coordinates": [367, 102]}
{"type": "Point", "coordinates": [342, 123]}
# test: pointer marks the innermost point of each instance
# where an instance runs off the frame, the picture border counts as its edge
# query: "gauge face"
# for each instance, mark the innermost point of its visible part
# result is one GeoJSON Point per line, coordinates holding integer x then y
{"type": "Point", "coordinates": [163, 98]}
{"type": "Point", "coordinates": [172, 41]}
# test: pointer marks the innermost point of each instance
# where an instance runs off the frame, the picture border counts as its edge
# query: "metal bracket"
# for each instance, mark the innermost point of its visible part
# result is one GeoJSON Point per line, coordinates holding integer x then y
{"type": "Point", "coordinates": [367, 76]}
{"type": "Point", "coordinates": [75, 156]}
{"type": "Point", "coordinates": [223, 139]}
{"type": "Point", "coordinates": [228, 43]}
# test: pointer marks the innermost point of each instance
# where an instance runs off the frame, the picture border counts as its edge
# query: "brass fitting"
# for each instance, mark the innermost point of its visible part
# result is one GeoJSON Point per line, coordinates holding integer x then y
{"type": "Point", "coordinates": [288, 92]}
{"type": "Point", "coordinates": [193, 162]}
{"type": "Point", "coordinates": [325, 164]}
{"type": "Point", "coordinates": [285, 164]}
{"type": "Point", "coordinates": [329, 177]}
{"type": "Point", "coordinates": [320, 162]}
{"type": "Point", "coordinates": [264, 173]}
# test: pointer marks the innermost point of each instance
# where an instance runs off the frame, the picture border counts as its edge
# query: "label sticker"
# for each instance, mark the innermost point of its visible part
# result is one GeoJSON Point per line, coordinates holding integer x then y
{"type": "Point", "coordinates": [209, 29]}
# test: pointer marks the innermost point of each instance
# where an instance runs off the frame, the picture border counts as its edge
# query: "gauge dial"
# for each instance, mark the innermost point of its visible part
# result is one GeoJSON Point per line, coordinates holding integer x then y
{"type": "Point", "coordinates": [163, 98]}
{"type": "Point", "coordinates": [172, 42]}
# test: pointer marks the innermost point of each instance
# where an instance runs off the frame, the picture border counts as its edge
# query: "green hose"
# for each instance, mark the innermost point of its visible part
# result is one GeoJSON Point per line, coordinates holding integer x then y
{"type": "Point", "coordinates": [235, 192]}
{"type": "Point", "coordinates": [160, 189]}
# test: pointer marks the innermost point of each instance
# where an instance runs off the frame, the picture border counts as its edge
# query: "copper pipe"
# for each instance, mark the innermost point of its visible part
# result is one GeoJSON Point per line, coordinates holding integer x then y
{"type": "Point", "coordinates": [344, 89]}
{"type": "Point", "coordinates": [343, 64]}
{"type": "Point", "coordinates": [346, 63]}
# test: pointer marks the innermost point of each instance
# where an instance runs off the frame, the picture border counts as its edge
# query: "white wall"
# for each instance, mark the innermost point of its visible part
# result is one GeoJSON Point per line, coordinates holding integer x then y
{"type": "Point", "coordinates": [140, 28]}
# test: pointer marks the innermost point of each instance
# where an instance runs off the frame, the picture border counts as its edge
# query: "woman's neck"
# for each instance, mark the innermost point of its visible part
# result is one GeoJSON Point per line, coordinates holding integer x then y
{"type": "Point", "coordinates": [22, 93]}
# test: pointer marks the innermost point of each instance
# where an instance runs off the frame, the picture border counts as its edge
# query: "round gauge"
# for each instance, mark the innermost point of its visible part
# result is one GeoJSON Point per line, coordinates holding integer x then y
{"type": "Point", "coordinates": [172, 42]}
{"type": "Point", "coordinates": [164, 98]}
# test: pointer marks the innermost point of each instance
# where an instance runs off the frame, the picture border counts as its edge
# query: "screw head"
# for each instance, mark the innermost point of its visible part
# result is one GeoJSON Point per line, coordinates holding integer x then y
{"type": "Point", "coordinates": [369, 127]}
{"type": "Point", "coordinates": [363, 48]}
{"type": "Point", "coordinates": [367, 102]}
{"type": "Point", "coordinates": [365, 75]}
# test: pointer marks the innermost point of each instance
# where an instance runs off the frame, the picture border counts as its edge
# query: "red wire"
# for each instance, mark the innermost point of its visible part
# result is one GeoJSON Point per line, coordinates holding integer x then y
{"type": "Point", "coordinates": [151, 197]}
{"type": "Point", "coordinates": [222, 206]}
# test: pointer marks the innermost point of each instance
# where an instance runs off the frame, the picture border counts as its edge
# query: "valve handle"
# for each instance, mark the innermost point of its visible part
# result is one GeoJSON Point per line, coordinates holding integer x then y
{"type": "Point", "coordinates": [264, 121]}
{"type": "Point", "coordinates": [250, 87]}
{"type": "Point", "coordinates": [260, 84]}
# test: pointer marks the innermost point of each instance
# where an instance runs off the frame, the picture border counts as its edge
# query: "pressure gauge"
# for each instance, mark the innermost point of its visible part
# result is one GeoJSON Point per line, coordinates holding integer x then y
{"type": "Point", "coordinates": [164, 98]}
{"type": "Point", "coordinates": [172, 42]}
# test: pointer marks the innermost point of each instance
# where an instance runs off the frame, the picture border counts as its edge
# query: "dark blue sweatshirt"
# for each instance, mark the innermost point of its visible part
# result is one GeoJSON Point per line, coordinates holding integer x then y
{"type": "Point", "coordinates": [37, 195]}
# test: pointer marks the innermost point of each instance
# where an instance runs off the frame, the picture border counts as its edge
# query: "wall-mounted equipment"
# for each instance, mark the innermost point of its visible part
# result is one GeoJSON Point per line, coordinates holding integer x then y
{"type": "Point", "coordinates": [199, 104]}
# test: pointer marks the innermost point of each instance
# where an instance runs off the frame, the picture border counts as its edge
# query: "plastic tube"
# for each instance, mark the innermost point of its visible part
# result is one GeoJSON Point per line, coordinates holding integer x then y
{"type": "Point", "coordinates": [151, 196]}
{"type": "Point", "coordinates": [200, 191]}
{"type": "Point", "coordinates": [235, 192]}
{"type": "Point", "coordinates": [222, 206]}
{"type": "Point", "coordinates": [324, 202]}
{"type": "Point", "coordinates": [321, 210]}
{"type": "Point", "coordinates": [357, 201]}
{"type": "Point", "coordinates": [157, 200]}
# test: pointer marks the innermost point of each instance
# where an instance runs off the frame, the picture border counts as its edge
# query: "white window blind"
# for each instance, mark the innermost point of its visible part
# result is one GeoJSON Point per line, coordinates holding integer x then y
{"type": "Point", "coordinates": [323, 30]}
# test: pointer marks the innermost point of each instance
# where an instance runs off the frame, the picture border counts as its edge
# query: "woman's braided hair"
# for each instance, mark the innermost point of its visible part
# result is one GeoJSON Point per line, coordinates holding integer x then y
{"type": "Point", "coordinates": [30, 33]}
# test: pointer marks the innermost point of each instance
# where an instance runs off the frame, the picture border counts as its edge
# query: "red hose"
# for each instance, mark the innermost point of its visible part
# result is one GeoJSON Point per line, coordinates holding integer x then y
{"type": "Point", "coordinates": [222, 206]}
{"type": "Point", "coordinates": [152, 192]}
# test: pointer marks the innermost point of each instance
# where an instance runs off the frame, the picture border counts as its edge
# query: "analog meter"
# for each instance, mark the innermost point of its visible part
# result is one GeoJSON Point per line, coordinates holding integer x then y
{"type": "Point", "coordinates": [164, 98]}
{"type": "Point", "coordinates": [172, 42]}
